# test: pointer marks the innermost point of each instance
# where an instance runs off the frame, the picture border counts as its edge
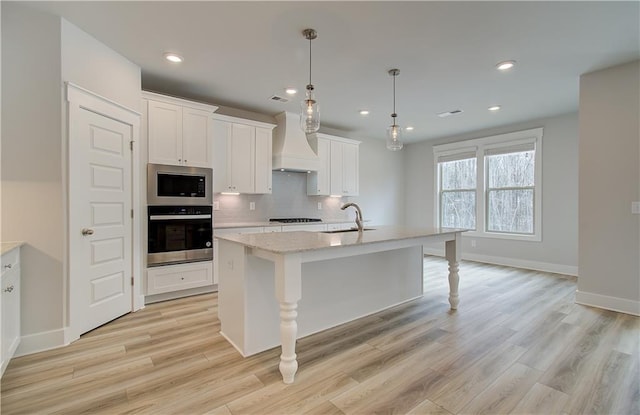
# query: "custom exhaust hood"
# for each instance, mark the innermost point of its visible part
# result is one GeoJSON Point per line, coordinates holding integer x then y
{"type": "Point", "coordinates": [291, 150]}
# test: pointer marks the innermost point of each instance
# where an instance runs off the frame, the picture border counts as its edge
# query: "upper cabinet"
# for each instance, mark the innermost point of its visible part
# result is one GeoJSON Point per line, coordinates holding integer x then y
{"type": "Point", "coordinates": [242, 155]}
{"type": "Point", "coordinates": [338, 174]}
{"type": "Point", "coordinates": [180, 132]}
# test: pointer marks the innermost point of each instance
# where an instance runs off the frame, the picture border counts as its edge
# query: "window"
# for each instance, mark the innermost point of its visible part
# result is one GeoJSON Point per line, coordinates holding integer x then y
{"type": "Point", "coordinates": [458, 194]}
{"type": "Point", "coordinates": [491, 185]}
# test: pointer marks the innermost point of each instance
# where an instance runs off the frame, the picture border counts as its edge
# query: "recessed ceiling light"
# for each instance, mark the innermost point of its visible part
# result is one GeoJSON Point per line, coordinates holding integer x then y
{"type": "Point", "coordinates": [409, 128]}
{"type": "Point", "coordinates": [506, 65]}
{"type": "Point", "coordinates": [172, 57]}
{"type": "Point", "coordinates": [494, 108]}
{"type": "Point", "coordinates": [291, 91]}
{"type": "Point", "coordinates": [364, 112]}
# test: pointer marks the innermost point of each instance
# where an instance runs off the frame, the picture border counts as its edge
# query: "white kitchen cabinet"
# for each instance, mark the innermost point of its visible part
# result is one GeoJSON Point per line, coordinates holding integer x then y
{"type": "Point", "coordinates": [242, 155]}
{"type": "Point", "coordinates": [10, 306]}
{"type": "Point", "coordinates": [339, 166]}
{"type": "Point", "coordinates": [344, 168]}
{"type": "Point", "coordinates": [171, 278]}
{"type": "Point", "coordinates": [180, 132]}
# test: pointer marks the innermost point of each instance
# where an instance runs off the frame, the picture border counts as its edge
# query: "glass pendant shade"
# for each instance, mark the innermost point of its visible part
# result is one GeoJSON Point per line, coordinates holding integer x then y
{"type": "Point", "coordinates": [394, 137]}
{"type": "Point", "coordinates": [309, 114]}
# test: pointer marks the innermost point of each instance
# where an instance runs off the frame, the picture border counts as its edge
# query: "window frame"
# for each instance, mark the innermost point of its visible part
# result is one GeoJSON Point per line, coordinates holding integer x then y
{"type": "Point", "coordinates": [482, 146]}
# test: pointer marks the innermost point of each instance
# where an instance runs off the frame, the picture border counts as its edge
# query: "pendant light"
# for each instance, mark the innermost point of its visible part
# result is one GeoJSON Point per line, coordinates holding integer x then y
{"type": "Point", "coordinates": [309, 109]}
{"type": "Point", "coordinates": [394, 132]}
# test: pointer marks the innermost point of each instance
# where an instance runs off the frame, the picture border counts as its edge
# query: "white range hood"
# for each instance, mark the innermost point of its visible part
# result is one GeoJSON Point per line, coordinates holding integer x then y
{"type": "Point", "coordinates": [291, 150]}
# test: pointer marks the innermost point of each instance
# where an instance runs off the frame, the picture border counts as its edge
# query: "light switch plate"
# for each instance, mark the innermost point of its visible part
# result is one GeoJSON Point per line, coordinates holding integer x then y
{"type": "Point", "coordinates": [319, 205]}
{"type": "Point", "coordinates": [216, 205]}
{"type": "Point", "coordinates": [635, 208]}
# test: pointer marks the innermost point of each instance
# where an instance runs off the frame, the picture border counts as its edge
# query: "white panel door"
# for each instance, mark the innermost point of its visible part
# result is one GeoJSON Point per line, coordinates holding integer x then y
{"type": "Point", "coordinates": [99, 220]}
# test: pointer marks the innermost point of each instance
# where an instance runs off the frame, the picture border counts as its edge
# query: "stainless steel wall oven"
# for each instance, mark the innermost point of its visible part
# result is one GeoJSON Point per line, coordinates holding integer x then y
{"type": "Point", "coordinates": [179, 234]}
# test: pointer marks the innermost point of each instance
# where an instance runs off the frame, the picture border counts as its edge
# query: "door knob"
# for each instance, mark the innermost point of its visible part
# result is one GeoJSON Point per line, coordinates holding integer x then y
{"type": "Point", "coordinates": [87, 231]}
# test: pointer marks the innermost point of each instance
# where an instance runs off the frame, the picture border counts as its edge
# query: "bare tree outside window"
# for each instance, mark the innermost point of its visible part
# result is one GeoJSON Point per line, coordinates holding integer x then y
{"type": "Point", "coordinates": [510, 192]}
{"type": "Point", "coordinates": [458, 193]}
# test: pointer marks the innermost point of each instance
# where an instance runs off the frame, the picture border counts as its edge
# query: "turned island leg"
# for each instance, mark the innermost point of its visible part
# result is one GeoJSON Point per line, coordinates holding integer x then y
{"type": "Point", "coordinates": [288, 333]}
{"type": "Point", "coordinates": [453, 256]}
{"type": "Point", "coordinates": [288, 272]}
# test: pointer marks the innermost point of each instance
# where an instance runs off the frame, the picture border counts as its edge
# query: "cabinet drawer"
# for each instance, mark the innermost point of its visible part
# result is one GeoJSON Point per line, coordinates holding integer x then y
{"type": "Point", "coordinates": [10, 261]}
{"type": "Point", "coordinates": [179, 277]}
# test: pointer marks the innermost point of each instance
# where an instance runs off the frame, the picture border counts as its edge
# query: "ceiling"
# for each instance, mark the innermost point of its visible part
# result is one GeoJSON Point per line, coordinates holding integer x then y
{"type": "Point", "coordinates": [238, 54]}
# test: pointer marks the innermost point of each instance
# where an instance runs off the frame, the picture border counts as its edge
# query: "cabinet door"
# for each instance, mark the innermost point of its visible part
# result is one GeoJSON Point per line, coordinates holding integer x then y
{"type": "Point", "coordinates": [318, 182]}
{"type": "Point", "coordinates": [196, 138]}
{"type": "Point", "coordinates": [350, 167]}
{"type": "Point", "coordinates": [241, 167]}
{"type": "Point", "coordinates": [10, 314]}
{"type": "Point", "coordinates": [221, 139]}
{"type": "Point", "coordinates": [165, 133]}
{"type": "Point", "coordinates": [264, 162]}
{"type": "Point", "coordinates": [335, 170]}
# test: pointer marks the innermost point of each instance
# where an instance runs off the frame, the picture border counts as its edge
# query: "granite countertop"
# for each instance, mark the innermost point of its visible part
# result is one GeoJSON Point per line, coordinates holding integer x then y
{"type": "Point", "coordinates": [9, 246]}
{"type": "Point", "coordinates": [300, 241]}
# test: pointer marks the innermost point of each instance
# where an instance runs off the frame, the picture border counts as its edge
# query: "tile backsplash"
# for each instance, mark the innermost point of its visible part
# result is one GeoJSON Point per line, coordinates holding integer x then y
{"type": "Point", "coordinates": [288, 200]}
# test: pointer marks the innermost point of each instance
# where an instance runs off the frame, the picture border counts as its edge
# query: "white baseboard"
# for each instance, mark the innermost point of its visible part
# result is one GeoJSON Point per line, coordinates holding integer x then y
{"type": "Point", "coordinates": [39, 342]}
{"type": "Point", "coordinates": [621, 305]}
{"type": "Point", "coordinates": [512, 262]}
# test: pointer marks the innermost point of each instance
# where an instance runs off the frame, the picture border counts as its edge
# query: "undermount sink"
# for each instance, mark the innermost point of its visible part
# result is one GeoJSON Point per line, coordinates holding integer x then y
{"type": "Point", "coordinates": [348, 230]}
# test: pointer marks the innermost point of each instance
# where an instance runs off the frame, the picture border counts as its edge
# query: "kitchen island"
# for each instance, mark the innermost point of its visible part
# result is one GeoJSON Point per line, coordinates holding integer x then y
{"type": "Point", "coordinates": [277, 287]}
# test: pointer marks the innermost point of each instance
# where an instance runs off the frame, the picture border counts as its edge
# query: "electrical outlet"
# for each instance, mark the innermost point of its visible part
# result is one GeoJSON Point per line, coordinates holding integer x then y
{"type": "Point", "coordinates": [216, 205]}
{"type": "Point", "coordinates": [473, 243]}
{"type": "Point", "coordinates": [252, 205]}
{"type": "Point", "coordinates": [635, 208]}
{"type": "Point", "coordinates": [319, 205]}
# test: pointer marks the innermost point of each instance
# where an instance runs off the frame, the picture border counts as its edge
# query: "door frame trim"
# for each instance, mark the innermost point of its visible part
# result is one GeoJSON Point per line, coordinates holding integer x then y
{"type": "Point", "coordinates": [79, 98]}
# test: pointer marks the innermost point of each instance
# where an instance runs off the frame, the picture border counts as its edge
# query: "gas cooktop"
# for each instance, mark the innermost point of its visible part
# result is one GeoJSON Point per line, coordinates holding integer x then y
{"type": "Point", "coordinates": [295, 220]}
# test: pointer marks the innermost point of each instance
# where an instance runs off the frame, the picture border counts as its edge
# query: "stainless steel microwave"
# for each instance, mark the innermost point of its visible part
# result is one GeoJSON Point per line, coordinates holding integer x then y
{"type": "Point", "coordinates": [179, 185]}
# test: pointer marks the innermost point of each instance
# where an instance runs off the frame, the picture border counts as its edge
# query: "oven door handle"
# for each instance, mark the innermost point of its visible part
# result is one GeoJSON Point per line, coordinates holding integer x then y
{"type": "Point", "coordinates": [178, 217]}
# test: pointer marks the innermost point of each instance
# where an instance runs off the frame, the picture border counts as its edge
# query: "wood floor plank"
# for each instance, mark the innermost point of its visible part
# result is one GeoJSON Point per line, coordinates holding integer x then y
{"type": "Point", "coordinates": [542, 399]}
{"type": "Point", "coordinates": [517, 344]}
{"type": "Point", "coordinates": [505, 393]}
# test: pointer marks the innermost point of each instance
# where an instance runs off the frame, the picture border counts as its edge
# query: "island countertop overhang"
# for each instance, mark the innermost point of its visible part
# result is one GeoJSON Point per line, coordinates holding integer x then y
{"type": "Point", "coordinates": [302, 241]}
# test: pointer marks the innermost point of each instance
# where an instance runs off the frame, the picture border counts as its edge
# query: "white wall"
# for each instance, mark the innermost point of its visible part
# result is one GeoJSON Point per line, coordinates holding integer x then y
{"type": "Point", "coordinates": [558, 250]}
{"type": "Point", "coordinates": [609, 181]}
{"type": "Point", "coordinates": [45, 52]}
{"type": "Point", "coordinates": [32, 199]}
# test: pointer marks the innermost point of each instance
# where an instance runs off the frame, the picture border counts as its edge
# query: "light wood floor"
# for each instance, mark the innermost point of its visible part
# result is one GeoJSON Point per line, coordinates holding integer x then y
{"type": "Point", "coordinates": [518, 344]}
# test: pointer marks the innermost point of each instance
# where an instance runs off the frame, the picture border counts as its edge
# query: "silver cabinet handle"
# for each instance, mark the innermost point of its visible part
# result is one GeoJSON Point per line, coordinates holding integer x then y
{"type": "Point", "coordinates": [8, 266]}
{"type": "Point", "coordinates": [8, 289]}
{"type": "Point", "coordinates": [87, 231]}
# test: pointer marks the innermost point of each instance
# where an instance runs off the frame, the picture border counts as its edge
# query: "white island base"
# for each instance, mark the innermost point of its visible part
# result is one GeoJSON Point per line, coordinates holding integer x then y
{"type": "Point", "coordinates": [270, 295]}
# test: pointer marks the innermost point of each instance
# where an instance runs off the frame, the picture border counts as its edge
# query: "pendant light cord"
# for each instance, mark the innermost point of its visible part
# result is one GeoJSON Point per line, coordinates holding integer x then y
{"type": "Point", "coordinates": [309, 60]}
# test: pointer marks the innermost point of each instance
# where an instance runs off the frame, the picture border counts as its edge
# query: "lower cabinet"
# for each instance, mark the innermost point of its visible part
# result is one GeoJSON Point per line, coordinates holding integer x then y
{"type": "Point", "coordinates": [179, 277]}
{"type": "Point", "coordinates": [10, 299]}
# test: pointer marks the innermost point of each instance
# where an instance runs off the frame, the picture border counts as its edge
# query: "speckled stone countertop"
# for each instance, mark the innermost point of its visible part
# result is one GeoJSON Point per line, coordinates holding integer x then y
{"type": "Point", "coordinates": [9, 246]}
{"type": "Point", "coordinates": [300, 241]}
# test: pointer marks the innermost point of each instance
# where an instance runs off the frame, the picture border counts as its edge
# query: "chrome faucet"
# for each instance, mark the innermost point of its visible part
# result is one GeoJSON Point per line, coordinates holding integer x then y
{"type": "Point", "coordinates": [358, 215]}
